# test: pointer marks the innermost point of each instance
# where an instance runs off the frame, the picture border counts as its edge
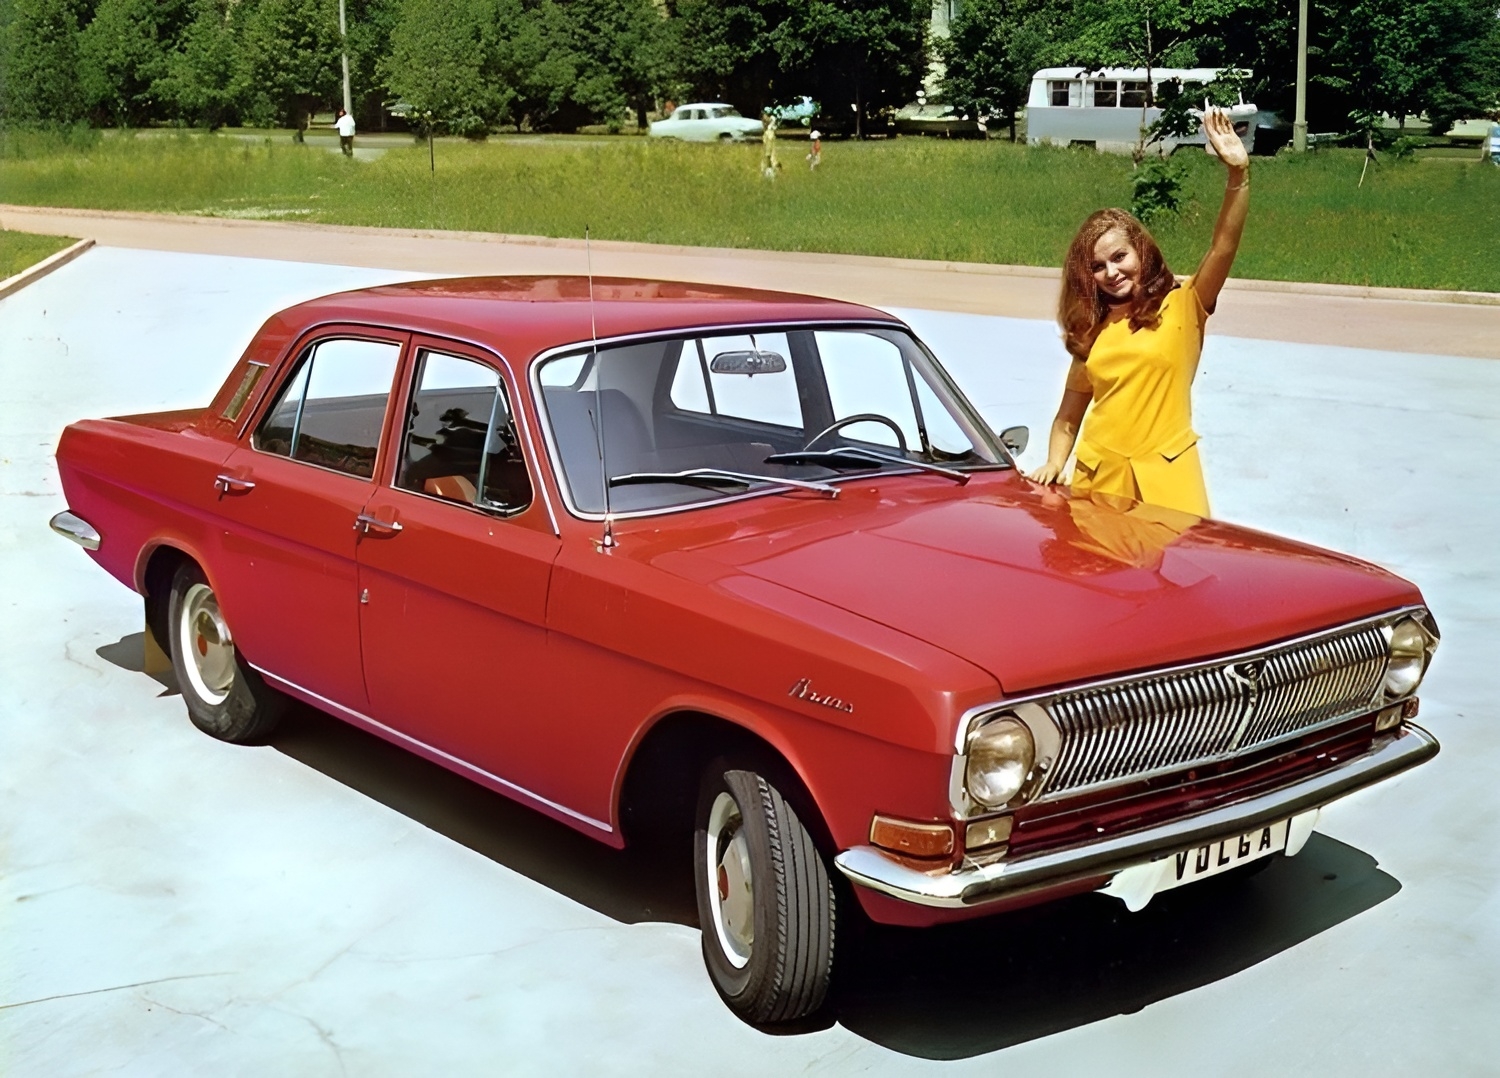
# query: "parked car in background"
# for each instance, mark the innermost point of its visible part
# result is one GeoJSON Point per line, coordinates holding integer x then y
{"type": "Point", "coordinates": [743, 571]}
{"type": "Point", "coordinates": [936, 118]}
{"type": "Point", "coordinates": [707, 122]}
{"type": "Point", "coordinates": [1106, 108]}
{"type": "Point", "coordinates": [800, 111]}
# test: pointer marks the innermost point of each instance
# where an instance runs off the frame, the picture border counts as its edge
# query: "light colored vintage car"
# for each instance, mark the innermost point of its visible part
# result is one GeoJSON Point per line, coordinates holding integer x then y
{"type": "Point", "coordinates": [711, 121]}
{"type": "Point", "coordinates": [745, 573]}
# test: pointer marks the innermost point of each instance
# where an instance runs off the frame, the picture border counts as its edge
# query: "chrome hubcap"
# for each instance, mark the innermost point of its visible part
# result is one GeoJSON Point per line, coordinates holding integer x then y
{"type": "Point", "coordinates": [204, 639]}
{"type": "Point", "coordinates": [731, 889]}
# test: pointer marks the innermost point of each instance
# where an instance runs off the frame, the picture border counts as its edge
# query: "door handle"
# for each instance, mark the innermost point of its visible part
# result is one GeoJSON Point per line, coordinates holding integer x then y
{"type": "Point", "coordinates": [228, 484]}
{"type": "Point", "coordinates": [374, 525]}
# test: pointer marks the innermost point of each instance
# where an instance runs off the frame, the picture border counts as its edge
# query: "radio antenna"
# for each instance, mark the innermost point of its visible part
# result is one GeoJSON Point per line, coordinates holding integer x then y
{"type": "Point", "coordinates": [607, 542]}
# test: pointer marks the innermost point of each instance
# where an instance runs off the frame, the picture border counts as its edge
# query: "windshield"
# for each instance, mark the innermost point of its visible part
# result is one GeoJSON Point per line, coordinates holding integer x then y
{"type": "Point", "coordinates": [727, 401]}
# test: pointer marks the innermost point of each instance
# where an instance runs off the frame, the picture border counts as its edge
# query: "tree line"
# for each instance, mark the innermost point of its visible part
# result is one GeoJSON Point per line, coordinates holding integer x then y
{"type": "Point", "coordinates": [471, 66]}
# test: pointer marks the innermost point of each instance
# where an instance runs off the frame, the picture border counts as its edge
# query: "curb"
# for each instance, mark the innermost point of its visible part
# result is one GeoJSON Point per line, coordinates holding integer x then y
{"type": "Point", "coordinates": [42, 268]}
{"type": "Point", "coordinates": [1375, 292]}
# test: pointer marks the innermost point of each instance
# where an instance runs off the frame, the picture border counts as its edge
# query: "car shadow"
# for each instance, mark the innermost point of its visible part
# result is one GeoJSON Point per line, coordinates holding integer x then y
{"type": "Point", "coordinates": [948, 992]}
{"type": "Point", "coordinates": [972, 988]}
{"type": "Point", "coordinates": [129, 653]}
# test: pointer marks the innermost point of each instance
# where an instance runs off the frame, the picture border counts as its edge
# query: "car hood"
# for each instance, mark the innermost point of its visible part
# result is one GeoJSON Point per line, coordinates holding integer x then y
{"type": "Point", "coordinates": [1041, 589]}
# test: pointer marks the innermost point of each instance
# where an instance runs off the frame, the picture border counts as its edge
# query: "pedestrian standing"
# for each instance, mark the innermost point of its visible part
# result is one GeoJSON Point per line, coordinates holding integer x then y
{"type": "Point", "coordinates": [815, 157]}
{"type": "Point", "coordinates": [1135, 335]}
{"type": "Point", "coordinates": [769, 164]}
{"type": "Point", "coordinates": [345, 124]}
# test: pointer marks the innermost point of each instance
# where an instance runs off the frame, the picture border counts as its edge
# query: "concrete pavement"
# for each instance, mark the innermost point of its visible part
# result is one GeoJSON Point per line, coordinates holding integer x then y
{"type": "Point", "coordinates": [328, 905]}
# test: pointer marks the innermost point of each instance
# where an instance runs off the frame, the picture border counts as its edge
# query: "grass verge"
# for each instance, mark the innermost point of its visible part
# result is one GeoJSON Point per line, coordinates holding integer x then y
{"type": "Point", "coordinates": [1411, 224]}
{"type": "Point", "coordinates": [22, 250]}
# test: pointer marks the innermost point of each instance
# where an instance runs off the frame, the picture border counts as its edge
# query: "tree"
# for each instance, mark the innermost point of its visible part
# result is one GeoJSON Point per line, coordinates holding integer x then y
{"type": "Point", "coordinates": [200, 78]}
{"type": "Point", "coordinates": [853, 55]}
{"type": "Point", "coordinates": [124, 55]}
{"type": "Point", "coordinates": [41, 64]}
{"type": "Point", "coordinates": [993, 49]}
{"type": "Point", "coordinates": [286, 60]}
{"type": "Point", "coordinates": [621, 54]}
{"type": "Point", "coordinates": [1145, 33]}
{"type": "Point", "coordinates": [1406, 57]}
{"type": "Point", "coordinates": [439, 64]}
{"type": "Point", "coordinates": [726, 52]}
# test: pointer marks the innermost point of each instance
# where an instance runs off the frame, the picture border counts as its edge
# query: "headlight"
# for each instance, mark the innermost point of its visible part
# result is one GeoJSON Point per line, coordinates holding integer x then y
{"type": "Point", "coordinates": [1410, 647]}
{"type": "Point", "coordinates": [1000, 757]}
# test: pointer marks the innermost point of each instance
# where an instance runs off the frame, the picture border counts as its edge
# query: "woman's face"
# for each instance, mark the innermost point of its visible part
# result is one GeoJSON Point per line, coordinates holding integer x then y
{"type": "Point", "coordinates": [1116, 267]}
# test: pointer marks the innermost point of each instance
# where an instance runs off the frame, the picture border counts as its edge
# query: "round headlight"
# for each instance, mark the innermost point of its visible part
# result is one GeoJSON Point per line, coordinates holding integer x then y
{"type": "Point", "coordinates": [1000, 758]}
{"type": "Point", "coordinates": [1408, 658]}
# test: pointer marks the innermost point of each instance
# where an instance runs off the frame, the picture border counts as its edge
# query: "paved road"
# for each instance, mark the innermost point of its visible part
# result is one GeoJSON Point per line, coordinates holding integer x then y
{"type": "Point", "coordinates": [1266, 310]}
{"type": "Point", "coordinates": [328, 905]}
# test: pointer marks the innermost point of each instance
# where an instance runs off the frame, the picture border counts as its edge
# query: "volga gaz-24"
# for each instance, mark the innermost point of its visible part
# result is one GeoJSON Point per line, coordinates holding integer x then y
{"type": "Point", "coordinates": [658, 558]}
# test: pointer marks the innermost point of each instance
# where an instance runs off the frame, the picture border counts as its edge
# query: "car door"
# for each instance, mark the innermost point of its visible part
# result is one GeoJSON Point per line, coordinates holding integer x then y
{"type": "Point", "coordinates": [455, 566]}
{"type": "Point", "coordinates": [291, 499]}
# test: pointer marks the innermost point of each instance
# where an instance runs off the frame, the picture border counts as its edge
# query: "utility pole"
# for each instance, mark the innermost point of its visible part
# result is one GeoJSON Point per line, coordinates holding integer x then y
{"type": "Point", "coordinates": [344, 44]}
{"type": "Point", "coordinates": [1299, 128]}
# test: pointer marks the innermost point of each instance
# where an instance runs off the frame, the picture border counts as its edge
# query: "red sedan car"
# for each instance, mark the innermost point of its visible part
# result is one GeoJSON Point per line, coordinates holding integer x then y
{"type": "Point", "coordinates": [659, 558]}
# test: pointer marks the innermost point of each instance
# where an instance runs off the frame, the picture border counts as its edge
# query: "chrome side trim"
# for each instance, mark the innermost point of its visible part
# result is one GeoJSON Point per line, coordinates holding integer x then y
{"type": "Point", "coordinates": [70, 525]}
{"type": "Point", "coordinates": [478, 774]}
{"type": "Point", "coordinates": [969, 886]}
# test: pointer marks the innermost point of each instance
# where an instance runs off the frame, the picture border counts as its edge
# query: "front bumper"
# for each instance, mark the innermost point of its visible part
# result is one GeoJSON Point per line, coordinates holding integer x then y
{"type": "Point", "coordinates": [969, 886]}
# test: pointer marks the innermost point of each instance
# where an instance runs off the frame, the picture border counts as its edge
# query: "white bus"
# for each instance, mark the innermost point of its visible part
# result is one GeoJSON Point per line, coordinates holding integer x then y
{"type": "Point", "coordinates": [1106, 108]}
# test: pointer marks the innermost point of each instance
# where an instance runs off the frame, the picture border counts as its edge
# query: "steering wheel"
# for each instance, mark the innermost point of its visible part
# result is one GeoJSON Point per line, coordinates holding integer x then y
{"type": "Point", "coordinates": [862, 417]}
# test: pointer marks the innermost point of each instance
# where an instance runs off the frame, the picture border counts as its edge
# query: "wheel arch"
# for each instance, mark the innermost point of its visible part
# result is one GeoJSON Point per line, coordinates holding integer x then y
{"type": "Point", "coordinates": [658, 787]}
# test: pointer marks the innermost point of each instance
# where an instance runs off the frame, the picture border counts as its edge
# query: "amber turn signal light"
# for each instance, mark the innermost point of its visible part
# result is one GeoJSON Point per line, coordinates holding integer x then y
{"type": "Point", "coordinates": [910, 838]}
{"type": "Point", "coordinates": [1389, 717]}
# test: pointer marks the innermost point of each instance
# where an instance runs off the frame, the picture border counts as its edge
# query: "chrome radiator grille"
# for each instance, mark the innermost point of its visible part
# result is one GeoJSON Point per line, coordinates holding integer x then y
{"type": "Point", "coordinates": [1158, 722]}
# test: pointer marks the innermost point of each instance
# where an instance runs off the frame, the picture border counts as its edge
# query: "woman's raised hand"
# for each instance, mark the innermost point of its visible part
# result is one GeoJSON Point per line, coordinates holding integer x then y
{"type": "Point", "coordinates": [1220, 134]}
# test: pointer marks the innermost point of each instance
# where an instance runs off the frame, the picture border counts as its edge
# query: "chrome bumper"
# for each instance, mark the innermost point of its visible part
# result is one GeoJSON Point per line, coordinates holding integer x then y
{"type": "Point", "coordinates": [963, 887]}
{"type": "Point", "coordinates": [72, 526]}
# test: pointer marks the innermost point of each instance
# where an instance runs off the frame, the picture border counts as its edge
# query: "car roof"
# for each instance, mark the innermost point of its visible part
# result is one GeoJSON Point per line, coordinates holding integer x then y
{"type": "Point", "coordinates": [520, 317]}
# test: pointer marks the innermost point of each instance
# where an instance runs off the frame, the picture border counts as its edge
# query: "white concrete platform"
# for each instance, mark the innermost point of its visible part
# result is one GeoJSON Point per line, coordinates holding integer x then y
{"type": "Point", "coordinates": [326, 905]}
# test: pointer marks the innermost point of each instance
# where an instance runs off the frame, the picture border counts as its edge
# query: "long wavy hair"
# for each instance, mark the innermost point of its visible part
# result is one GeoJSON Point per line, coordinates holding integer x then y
{"type": "Point", "coordinates": [1081, 308]}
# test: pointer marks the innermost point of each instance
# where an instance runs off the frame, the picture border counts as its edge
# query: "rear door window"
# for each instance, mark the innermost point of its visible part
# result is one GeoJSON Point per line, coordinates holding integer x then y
{"type": "Point", "coordinates": [332, 411]}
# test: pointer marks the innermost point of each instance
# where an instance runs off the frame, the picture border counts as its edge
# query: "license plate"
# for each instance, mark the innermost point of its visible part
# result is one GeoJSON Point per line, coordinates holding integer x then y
{"type": "Point", "coordinates": [1209, 860]}
{"type": "Point", "coordinates": [1136, 886]}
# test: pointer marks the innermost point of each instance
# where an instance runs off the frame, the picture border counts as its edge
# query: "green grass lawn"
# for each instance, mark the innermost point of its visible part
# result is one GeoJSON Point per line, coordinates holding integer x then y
{"type": "Point", "coordinates": [20, 250]}
{"type": "Point", "coordinates": [1416, 224]}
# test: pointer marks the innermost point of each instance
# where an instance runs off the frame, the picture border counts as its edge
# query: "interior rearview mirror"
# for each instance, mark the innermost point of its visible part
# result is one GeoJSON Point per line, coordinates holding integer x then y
{"type": "Point", "coordinates": [747, 362]}
{"type": "Point", "coordinates": [1015, 439]}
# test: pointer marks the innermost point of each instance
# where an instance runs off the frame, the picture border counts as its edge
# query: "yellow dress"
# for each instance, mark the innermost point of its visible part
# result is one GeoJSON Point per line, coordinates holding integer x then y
{"type": "Point", "coordinates": [1137, 438]}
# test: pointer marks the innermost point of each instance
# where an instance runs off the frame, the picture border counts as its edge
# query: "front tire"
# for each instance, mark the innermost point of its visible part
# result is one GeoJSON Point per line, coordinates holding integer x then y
{"type": "Point", "coordinates": [765, 899]}
{"type": "Point", "coordinates": [225, 698]}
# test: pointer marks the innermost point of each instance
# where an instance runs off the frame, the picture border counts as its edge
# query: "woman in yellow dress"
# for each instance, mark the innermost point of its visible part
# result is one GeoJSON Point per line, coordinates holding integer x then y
{"type": "Point", "coordinates": [1135, 335]}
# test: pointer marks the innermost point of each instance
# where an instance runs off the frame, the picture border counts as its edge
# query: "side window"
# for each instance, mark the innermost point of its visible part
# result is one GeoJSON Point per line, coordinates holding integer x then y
{"type": "Point", "coordinates": [333, 409]}
{"type": "Point", "coordinates": [690, 380]}
{"type": "Point", "coordinates": [867, 375]}
{"type": "Point", "coordinates": [1106, 94]}
{"type": "Point", "coordinates": [1059, 93]}
{"type": "Point", "coordinates": [460, 441]}
{"type": "Point", "coordinates": [1133, 95]}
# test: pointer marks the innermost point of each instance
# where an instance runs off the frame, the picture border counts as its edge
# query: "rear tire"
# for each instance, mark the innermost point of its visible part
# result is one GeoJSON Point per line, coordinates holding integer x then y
{"type": "Point", "coordinates": [765, 899]}
{"type": "Point", "coordinates": [225, 698]}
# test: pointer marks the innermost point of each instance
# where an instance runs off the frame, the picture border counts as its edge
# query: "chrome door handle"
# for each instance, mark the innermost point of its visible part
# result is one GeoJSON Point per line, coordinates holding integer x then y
{"type": "Point", "coordinates": [228, 484]}
{"type": "Point", "coordinates": [366, 523]}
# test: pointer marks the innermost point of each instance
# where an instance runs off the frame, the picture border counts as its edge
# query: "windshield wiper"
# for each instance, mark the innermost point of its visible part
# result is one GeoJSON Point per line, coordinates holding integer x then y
{"type": "Point", "coordinates": [855, 456]}
{"type": "Point", "coordinates": [718, 477]}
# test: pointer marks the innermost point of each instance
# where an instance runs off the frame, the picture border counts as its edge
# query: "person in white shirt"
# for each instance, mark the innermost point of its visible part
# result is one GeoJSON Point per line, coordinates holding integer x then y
{"type": "Point", "coordinates": [345, 124]}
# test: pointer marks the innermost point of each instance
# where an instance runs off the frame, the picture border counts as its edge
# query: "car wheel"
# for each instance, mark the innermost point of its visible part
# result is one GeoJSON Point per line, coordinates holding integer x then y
{"type": "Point", "coordinates": [765, 900]}
{"type": "Point", "coordinates": [225, 698]}
{"type": "Point", "coordinates": [725, 136]}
